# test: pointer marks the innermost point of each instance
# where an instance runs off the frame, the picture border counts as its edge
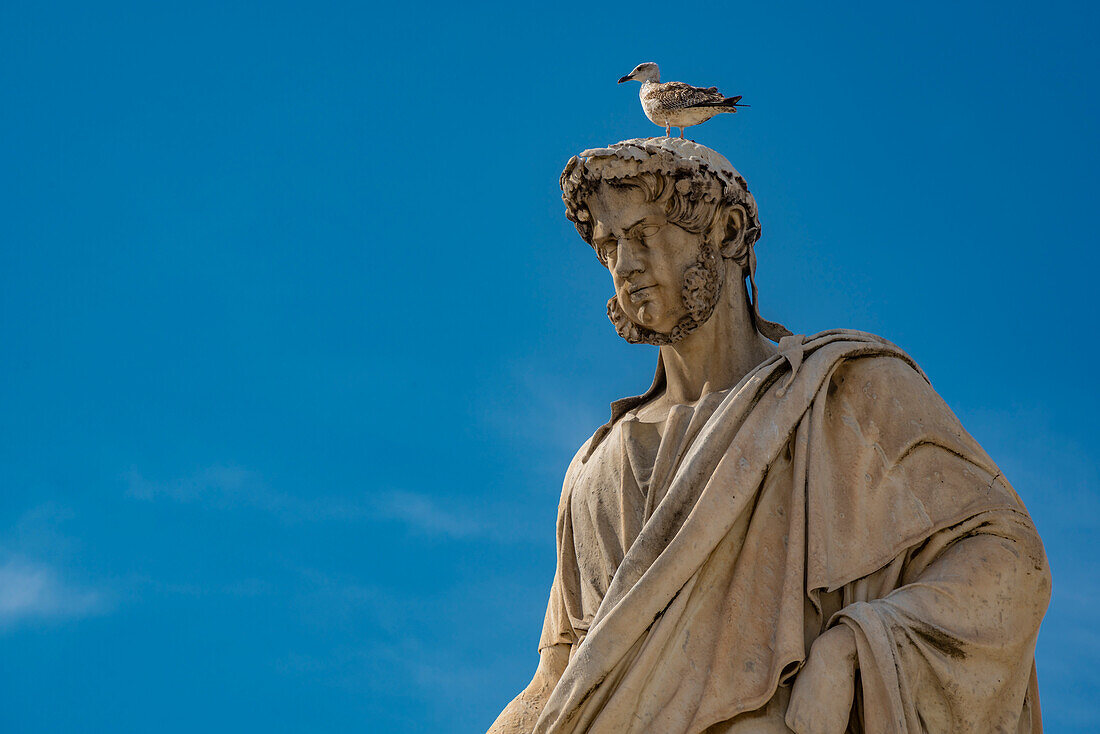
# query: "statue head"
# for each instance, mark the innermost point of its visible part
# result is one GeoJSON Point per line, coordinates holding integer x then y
{"type": "Point", "coordinates": [671, 220]}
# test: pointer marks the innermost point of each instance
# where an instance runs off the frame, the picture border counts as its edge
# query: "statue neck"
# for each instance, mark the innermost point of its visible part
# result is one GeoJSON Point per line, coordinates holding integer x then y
{"type": "Point", "coordinates": [717, 354]}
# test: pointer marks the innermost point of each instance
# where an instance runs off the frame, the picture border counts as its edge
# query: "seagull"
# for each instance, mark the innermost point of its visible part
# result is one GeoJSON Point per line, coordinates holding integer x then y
{"type": "Point", "coordinates": [675, 103]}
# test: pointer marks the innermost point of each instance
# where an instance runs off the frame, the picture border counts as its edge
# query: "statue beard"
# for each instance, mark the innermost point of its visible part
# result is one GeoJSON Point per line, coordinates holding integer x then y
{"type": "Point", "coordinates": [702, 286]}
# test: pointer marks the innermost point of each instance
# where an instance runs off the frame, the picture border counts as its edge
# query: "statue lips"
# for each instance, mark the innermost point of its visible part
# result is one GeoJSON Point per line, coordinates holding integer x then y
{"type": "Point", "coordinates": [637, 292]}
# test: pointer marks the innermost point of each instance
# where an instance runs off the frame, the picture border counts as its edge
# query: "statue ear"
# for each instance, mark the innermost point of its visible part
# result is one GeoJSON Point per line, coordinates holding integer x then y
{"type": "Point", "coordinates": [732, 231]}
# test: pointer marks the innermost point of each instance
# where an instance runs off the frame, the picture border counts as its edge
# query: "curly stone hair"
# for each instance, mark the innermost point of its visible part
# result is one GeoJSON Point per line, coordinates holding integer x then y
{"type": "Point", "coordinates": [697, 188]}
{"type": "Point", "coordinates": [690, 203]}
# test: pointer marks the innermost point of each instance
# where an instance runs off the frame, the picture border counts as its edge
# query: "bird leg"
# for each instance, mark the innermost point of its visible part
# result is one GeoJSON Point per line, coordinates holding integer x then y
{"type": "Point", "coordinates": [668, 129]}
{"type": "Point", "coordinates": [681, 133]}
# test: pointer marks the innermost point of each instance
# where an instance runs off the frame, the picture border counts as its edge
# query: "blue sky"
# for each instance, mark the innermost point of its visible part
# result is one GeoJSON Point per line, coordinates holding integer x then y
{"type": "Point", "coordinates": [297, 342]}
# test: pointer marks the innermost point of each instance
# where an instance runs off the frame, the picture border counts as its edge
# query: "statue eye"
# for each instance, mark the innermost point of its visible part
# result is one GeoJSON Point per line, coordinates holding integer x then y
{"type": "Point", "coordinates": [644, 231]}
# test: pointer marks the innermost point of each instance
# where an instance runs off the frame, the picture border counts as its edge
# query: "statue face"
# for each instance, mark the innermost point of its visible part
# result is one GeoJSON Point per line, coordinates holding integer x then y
{"type": "Point", "coordinates": [648, 256]}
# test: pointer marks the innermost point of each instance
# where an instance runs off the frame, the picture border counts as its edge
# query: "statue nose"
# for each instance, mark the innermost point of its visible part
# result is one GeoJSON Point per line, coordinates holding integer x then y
{"type": "Point", "coordinates": [628, 260]}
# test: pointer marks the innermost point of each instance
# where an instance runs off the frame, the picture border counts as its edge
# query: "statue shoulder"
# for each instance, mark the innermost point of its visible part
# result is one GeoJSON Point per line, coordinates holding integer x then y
{"type": "Point", "coordinates": [888, 399]}
{"type": "Point", "coordinates": [869, 377]}
{"type": "Point", "coordinates": [862, 358]}
{"type": "Point", "coordinates": [576, 466]}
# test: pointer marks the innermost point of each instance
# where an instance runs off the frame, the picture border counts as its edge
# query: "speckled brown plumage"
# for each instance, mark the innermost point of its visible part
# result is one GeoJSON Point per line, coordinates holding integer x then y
{"type": "Point", "coordinates": [675, 104]}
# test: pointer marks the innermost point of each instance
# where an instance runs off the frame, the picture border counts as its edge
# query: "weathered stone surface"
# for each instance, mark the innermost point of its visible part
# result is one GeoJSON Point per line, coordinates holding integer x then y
{"type": "Point", "coordinates": [775, 537]}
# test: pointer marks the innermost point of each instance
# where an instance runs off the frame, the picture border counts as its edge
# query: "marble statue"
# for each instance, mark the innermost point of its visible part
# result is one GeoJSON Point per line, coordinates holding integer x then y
{"type": "Point", "coordinates": [785, 533]}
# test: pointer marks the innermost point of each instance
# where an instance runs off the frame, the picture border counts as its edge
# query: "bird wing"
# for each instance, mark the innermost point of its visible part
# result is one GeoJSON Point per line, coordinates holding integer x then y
{"type": "Point", "coordinates": [677, 95]}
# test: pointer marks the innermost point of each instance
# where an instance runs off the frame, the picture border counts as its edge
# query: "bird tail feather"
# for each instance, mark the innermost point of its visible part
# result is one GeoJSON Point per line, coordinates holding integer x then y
{"type": "Point", "coordinates": [730, 103]}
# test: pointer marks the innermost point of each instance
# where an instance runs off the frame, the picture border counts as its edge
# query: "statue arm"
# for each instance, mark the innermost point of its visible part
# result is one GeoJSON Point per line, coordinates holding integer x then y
{"type": "Point", "coordinates": [965, 618]}
{"type": "Point", "coordinates": [519, 716]}
{"type": "Point", "coordinates": [960, 608]}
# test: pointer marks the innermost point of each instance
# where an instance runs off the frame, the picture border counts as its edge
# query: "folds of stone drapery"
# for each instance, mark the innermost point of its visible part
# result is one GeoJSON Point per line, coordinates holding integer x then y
{"type": "Point", "coordinates": [946, 628]}
{"type": "Point", "coordinates": [631, 654]}
{"type": "Point", "coordinates": [715, 504]}
{"type": "Point", "coordinates": [837, 496]}
{"type": "Point", "coordinates": [746, 595]}
{"type": "Point", "coordinates": [951, 649]}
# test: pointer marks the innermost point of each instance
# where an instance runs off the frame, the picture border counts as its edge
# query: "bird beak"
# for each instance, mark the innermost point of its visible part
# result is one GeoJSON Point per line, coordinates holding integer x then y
{"type": "Point", "coordinates": [625, 79]}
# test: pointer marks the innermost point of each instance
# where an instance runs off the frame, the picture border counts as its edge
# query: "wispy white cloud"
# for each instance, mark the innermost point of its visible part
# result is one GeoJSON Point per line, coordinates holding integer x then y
{"type": "Point", "coordinates": [543, 408]}
{"type": "Point", "coordinates": [230, 487]}
{"type": "Point", "coordinates": [426, 515]}
{"type": "Point", "coordinates": [222, 486]}
{"type": "Point", "coordinates": [34, 591]}
{"type": "Point", "coordinates": [34, 583]}
{"type": "Point", "coordinates": [243, 588]}
{"type": "Point", "coordinates": [396, 636]}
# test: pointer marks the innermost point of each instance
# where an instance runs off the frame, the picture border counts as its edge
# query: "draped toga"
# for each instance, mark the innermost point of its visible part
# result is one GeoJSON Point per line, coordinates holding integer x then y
{"type": "Point", "coordinates": [700, 556]}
